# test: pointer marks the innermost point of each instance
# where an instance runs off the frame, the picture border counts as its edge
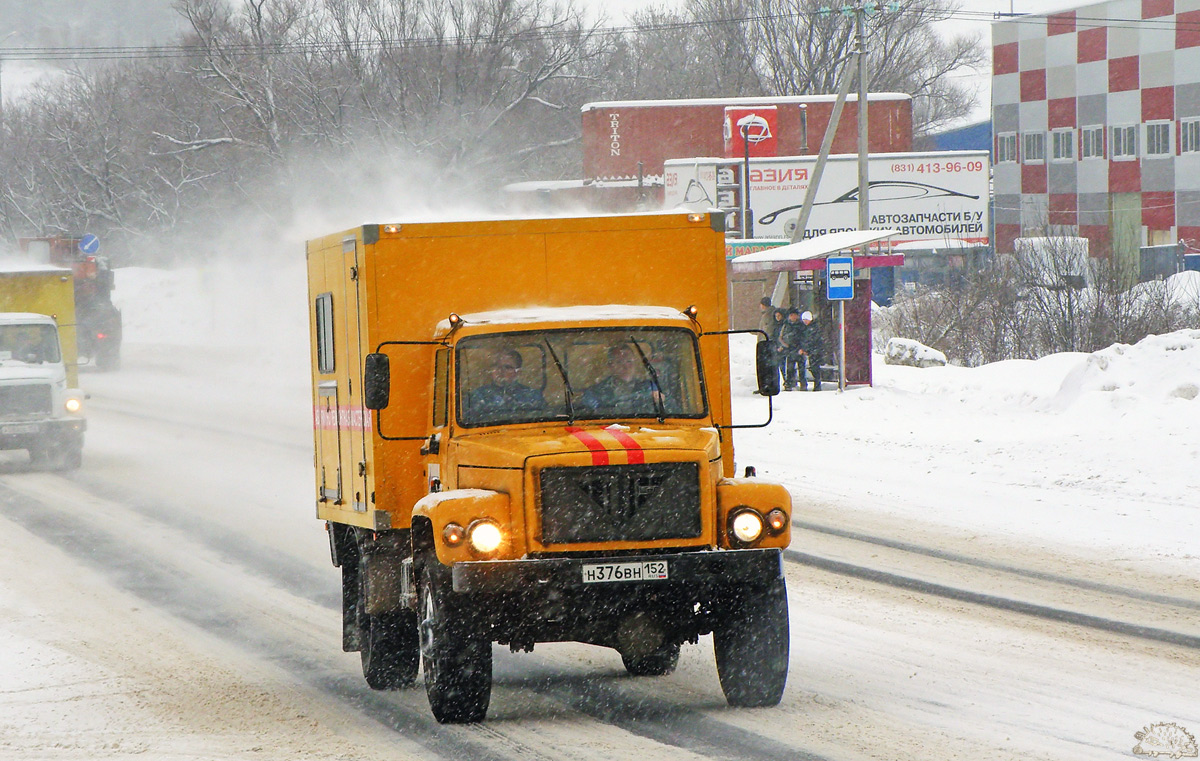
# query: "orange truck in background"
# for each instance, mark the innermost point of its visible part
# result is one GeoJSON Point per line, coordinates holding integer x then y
{"type": "Point", "coordinates": [523, 435]}
{"type": "Point", "coordinates": [99, 324]}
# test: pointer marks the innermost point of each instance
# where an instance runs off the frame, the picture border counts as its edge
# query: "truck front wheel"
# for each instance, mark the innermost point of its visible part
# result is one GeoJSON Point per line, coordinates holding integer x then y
{"type": "Point", "coordinates": [457, 665]}
{"type": "Point", "coordinates": [751, 644]}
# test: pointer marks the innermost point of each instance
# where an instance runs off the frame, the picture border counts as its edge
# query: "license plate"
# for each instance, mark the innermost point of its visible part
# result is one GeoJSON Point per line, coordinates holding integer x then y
{"type": "Point", "coordinates": [645, 570]}
{"type": "Point", "coordinates": [20, 428]}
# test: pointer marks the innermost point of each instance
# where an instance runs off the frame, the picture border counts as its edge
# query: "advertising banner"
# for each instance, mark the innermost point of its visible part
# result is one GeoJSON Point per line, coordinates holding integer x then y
{"type": "Point", "coordinates": [759, 126]}
{"type": "Point", "coordinates": [935, 196]}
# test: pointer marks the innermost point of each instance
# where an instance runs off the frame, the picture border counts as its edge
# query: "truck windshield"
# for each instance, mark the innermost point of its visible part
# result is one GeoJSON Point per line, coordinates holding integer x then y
{"type": "Point", "coordinates": [592, 374]}
{"type": "Point", "coordinates": [32, 344]}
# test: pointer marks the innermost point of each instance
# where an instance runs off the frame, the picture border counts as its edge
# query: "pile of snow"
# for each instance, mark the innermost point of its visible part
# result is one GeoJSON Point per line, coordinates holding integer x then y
{"type": "Point", "coordinates": [906, 351]}
{"type": "Point", "coordinates": [1163, 368]}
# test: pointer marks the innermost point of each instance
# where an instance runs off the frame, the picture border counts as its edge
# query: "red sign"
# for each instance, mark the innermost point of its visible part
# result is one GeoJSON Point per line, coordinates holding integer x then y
{"type": "Point", "coordinates": [756, 126]}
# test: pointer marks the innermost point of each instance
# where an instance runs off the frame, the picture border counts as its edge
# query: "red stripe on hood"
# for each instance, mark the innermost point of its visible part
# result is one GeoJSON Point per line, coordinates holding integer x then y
{"type": "Point", "coordinates": [599, 453]}
{"type": "Point", "coordinates": [634, 452]}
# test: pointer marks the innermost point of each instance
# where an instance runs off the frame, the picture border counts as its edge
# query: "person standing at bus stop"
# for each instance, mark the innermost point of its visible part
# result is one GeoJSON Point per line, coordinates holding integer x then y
{"type": "Point", "coordinates": [788, 349]}
{"type": "Point", "coordinates": [766, 318]}
{"type": "Point", "coordinates": [812, 351]}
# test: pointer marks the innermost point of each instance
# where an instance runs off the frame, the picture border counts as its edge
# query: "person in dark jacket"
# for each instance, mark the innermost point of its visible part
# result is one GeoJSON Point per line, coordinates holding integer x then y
{"type": "Point", "coordinates": [788, 343]}
{"type": "Point", "coordinates": [811, 350]}
{"type": "Point", "coordinates": [766, 318]}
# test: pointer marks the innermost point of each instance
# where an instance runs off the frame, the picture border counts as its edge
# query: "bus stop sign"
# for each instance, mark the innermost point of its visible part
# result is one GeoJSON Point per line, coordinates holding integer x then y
{"type": "Point", "coordinates": [839, 278]}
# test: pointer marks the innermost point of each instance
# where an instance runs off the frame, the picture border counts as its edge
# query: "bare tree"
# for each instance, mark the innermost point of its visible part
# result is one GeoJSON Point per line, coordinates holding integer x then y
{"type": "Point", "coordinates": [803, 47]}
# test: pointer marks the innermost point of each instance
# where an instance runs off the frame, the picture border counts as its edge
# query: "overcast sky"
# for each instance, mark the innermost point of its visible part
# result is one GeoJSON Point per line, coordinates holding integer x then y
{"type": "Point", "coordinates": [974, 16]}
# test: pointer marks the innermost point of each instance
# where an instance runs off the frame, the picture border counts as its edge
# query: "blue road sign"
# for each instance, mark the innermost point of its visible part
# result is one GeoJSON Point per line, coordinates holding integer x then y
{"type": "Point", "coordinates": [839, 278]}
{"type": "Point", "coordinates": [89, 244]}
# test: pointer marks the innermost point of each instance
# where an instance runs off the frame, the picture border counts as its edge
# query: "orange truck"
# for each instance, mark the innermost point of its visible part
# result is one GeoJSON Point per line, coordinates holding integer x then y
{"type": "Point", "coordinates": [98, 320]}
{"type": "Point", "coordinates": [523, 435]}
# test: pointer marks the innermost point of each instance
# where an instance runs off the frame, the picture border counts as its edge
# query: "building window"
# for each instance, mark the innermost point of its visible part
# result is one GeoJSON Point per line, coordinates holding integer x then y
{"type": "Point", "coordinates": [1062, 144]}
{"type": "Point", "coordinates": [1189, 135]}
{"type": "Point", "coordinates": [1124, 143]}
{"type": "Point", "coordinates": [1034, 144]}
{"type": "Point", "coordinates": [1006, 147]}
{"type": "Point", "coordinates": [1158, 139]}
{"type": "Point", "coordinates": [1091, 142]}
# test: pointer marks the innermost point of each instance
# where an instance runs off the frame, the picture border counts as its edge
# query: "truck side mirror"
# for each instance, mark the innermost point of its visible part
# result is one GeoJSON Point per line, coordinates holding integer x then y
{"type": "Point", "coordinates": [768, 370]}
{"type": "Point", "coordinates": [377, 381]}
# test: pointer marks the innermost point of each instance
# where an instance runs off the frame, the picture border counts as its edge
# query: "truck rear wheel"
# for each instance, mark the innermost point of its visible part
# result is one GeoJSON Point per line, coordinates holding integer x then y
{"type": "Point", "coordinates": [659, 663]}
{"type": "Point", "coordinates": [457, 665]}
{"type": "Point", "coordinates": [390, 650]}
{"type": "Point", "coordinates": [752, 645]}
{"type": "Point", "coordinates": [387, 641]}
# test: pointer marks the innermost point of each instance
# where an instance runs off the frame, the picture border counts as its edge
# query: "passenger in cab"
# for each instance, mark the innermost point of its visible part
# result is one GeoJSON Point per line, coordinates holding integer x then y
{"type": "Point", "coordinates": [626, 389]}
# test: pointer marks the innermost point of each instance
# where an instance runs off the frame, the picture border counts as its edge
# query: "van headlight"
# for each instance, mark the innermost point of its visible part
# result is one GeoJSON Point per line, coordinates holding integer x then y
{"type": "Point", "coordinates": [484, 536]}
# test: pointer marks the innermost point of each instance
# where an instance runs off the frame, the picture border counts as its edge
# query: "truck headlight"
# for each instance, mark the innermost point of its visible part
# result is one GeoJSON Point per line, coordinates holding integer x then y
{"type": "Point", "coordinates": [73, 404]}
{"type": "Point", "coordinates": [745, 526]}
{"type": "Point", "coordinates": [484, 536]}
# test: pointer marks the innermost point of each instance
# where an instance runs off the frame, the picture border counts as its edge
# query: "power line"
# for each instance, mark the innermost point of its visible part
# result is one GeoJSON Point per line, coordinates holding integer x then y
{"type": "Point", "coordinates": [150, 52]}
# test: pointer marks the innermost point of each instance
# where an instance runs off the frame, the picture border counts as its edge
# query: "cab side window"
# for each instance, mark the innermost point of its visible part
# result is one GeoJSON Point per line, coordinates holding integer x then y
{"type": "Point", "coordinates": [441, 387]}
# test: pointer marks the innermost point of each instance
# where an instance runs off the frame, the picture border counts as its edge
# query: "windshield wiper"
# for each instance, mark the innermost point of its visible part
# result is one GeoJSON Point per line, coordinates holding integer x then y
{"type": "Point", "coordinates": [657, 394]}
{"type": "Point", "coordinates": [566, 383]}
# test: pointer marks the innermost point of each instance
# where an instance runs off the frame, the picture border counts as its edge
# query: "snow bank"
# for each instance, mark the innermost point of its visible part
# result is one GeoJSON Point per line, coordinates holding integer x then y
{"type": "Point", "coordinates": [1165, 368]}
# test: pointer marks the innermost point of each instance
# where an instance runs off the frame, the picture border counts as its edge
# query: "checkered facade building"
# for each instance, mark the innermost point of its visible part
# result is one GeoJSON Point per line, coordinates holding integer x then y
{"type": "Point", "coordinates": [1096, 125]}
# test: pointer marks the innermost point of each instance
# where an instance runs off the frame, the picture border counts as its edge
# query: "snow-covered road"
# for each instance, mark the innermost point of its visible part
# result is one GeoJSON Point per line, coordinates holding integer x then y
{"type": "Point", "coordinates": [174, 599]}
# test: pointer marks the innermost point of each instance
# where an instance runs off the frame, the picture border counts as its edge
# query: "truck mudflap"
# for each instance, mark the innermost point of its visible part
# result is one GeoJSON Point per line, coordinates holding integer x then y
{"type": "Point", "coordinates": [709, 568]}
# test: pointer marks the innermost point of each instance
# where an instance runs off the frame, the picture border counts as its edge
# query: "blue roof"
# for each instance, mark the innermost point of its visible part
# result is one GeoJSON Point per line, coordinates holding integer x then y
{"type": "Point", "coordinates": [977, 137]}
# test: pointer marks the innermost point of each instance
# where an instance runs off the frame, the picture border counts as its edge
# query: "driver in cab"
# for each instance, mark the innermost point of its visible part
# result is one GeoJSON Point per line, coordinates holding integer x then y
{"type": "Point", "coordinates": [505, 393]}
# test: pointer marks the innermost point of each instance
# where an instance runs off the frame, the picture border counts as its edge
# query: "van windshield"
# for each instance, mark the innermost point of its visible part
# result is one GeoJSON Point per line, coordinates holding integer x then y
{"type": "Point", "coordinates": [592, 374]}
{"type": "Point", "coordinates": [32, 344]}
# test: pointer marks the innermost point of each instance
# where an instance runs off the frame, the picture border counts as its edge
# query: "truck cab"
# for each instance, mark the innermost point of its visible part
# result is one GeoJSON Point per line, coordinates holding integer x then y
{"type": "Point", "coordinates": [39, 411]}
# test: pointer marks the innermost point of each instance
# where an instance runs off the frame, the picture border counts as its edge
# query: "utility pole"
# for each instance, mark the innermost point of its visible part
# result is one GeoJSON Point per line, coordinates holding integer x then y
{"type": "Point", "coordinates": [864, 183]}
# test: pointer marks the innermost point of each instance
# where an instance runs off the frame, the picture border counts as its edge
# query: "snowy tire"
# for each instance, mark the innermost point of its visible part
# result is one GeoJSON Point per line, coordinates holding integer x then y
{"type": "Point", "coordinates": [751, 644]}
{"type": "Point", "coordinates": [390, 650]}
{"type": "Point", "coordinates": [659, 663]}
{"type": "Point", "coordinates": [457, 665]}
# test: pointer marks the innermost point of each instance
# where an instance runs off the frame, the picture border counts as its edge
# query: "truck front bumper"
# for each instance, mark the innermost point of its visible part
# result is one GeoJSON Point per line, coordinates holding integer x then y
{"type": "Point", "coordinates": [706, 569]}
{"type": "Point", "coordinates": [20, 434]}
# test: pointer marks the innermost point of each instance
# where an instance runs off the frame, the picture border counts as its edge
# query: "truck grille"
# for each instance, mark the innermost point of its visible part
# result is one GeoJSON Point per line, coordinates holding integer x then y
{"type": "Point", "coordinates": [610, 503]}
{"type": "Point", "coordinates": [25, 400]}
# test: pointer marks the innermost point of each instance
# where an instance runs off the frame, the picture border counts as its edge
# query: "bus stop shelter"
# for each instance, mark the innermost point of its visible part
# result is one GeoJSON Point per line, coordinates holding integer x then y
{"type": "Point", "coordinates": [811, 254]}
